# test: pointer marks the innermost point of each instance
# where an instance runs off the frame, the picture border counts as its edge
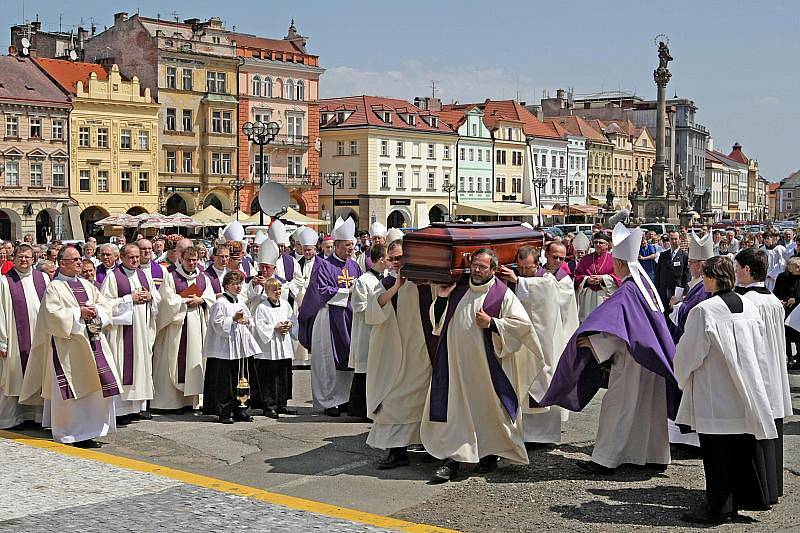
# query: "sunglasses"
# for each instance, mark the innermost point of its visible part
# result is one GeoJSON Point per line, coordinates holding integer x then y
{"type": "Point", "coordinates": [395, 257]}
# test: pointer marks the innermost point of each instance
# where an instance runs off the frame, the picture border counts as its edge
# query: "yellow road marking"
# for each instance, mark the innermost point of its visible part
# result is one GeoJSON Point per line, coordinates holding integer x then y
{"type": "Point", "coordinates": [226, 486]}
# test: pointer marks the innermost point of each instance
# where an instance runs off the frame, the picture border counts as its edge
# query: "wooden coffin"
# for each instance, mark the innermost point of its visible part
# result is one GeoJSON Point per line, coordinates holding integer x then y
{"type": "Point", "coordinates": [441, 253]}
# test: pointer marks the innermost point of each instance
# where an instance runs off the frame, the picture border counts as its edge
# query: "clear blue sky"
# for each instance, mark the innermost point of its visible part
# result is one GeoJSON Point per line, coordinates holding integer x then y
{"type": "Point", "coordinates": [737, 60]}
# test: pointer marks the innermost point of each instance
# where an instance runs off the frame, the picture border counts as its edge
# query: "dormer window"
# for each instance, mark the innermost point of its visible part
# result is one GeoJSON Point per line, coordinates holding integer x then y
{"type": "Point", "coordinates": [434, 122]}
{"type": "Point", "coordinates": [340, 117]}
{"type": "Point", "coordinates": [411, 119]}
{"type": "Point", "coordinates": [386, 116]}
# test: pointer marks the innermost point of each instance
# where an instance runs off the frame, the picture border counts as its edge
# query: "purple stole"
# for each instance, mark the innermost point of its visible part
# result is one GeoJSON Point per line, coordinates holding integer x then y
{"type": "Point", "coordinates": [561, 273]}
{"type": "Point", "coordinates": [20, 305]}
{"type": "Point", "coordinates": [368, 261]}
{"type": "Point", "coordinates": [440, 378]}
{"type": "Point", "coordinates": [124, 289]}
{"type": "Point", "coordinates": [181, 284]}
{"type": "Point", "coordinates": [102, 272]}
{"type": "Point", "coordinates": [97, 284]}
{"type": "Point", "coordinates": [246, 269]}
{"type": "Point", "coordinates": [425, 302]}
{"type": "Point", "coordinates": [288, 271]}
{"type": "Point", "coordinates": [107, 382]}
{"type": "Point", "coordinates": [213, 277]}
{"type": "Point", "coordinates": [387, 283]}
{"type": "Point", "coordinates": [157, 273]}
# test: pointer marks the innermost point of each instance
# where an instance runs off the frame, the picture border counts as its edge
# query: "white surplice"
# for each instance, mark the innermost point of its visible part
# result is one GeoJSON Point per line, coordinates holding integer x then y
{"type": "Point", "coordinates": [143, 319]}
{"type": "Point", "coordinates": [551, 306]}
{"type": "Point", "coordinates": [632, 428]}
{"type": "Point", "coordinates": [588, 300]}
{"type": "Point", "coordinates": [716, 365]}
{"type": "Point", "coordinates": [11, 412]}
{"type": "Point", "coordinates": [363, 289]}
{"type": "Point", "coordinates": [302, 356]}
{"type": "Point", "coordinates": [172, 313]}
{"type": "Point", "coordinates": [225, 338]}
{"type": "Point", "coordinates": [398, 368]}
{"type": "Point", "coordinates": [776, 264]}
{"type": "Point", "coordinates": [274, 346]}
{"type": "Point", "coordinates": [477, 423]}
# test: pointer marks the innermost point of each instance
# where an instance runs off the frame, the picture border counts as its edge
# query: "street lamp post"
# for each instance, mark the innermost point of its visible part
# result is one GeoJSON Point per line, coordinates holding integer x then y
{"type": "Point", "coordinates": [540, 184]}
{"type": "Point", "coordinates": [237, 185]}
{"type": "Point", "coordinates": [334, 179]}
{"type": "Point", "coordinates": [568, 190]}
{"type": "Point", "coordinates": [261, 133]}
{"type": "Point", "coordinates": [449, 188]}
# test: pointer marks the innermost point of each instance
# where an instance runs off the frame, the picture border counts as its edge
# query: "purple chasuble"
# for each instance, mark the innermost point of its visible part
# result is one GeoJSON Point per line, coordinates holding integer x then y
{"type": "Point", "coordinates": [181, 284]}
{"type": "Point", "coordinates": [102, 272]}
{"type": "Point", "coordinates": [124, 289]}
{"type": "Point", "coordinates": [216, 283]}
{"type": "Point", "coordinates": [626, 315]}
{"type": "Point", "coordinates": [20, 304]}
{"type": "Point", "coordinates": [695, 295]}
{"type": "Point", "coordinates": [440, 378]}
{"type": "Point", "coordinates": [288, 271]}
{"type": "Point", "coordinates": [107, 382]}
{"type": "Point", "coordinates": [157, 273]}
{"type": "Point", "coordinates": [327, 277]}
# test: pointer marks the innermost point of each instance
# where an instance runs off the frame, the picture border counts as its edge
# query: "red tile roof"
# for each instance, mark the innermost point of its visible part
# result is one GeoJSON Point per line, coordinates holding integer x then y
{"type": "Point", "coordinates": [22, 81]}
{"type": "Point", "coordinates": [495, 111]}
{"type": "Point", "coordinates": [737, 154]}
{"type": "Point", "coordinates": [263, 43]}
{"type": "Point", "coordinates": [719, 157]}
{"type": "Point", "coordinates": [365, 109]}
{"type": "Point", "coordinates": [577, 126]}
{"type": "Point", "coordinates": [68, 73]}
{"type": "Point", "coordinates": [772, 187]}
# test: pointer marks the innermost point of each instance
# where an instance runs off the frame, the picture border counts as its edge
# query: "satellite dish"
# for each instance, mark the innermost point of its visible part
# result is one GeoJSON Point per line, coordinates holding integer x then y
{"type": "Point", "coordinates": [25, 42]}
{"type": "Point", "coordinates": [24, 52]}
{"type": "Point", "coordinates": [273, 198]}
{"type": "Point", "coordinates": [73, 56]}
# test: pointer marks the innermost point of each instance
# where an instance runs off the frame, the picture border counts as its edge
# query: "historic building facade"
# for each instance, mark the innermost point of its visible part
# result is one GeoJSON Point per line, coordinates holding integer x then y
{"type": "Point", "coordinates": [474, 151]}
{"type": "Point", "coordinates": [599, 156]}
{"type": "Point", "coordinates": [34, 170]}
{"type": "Point", "coordinates": [393, 158]}
{"type": "Point", "coordinates": [113, 141]}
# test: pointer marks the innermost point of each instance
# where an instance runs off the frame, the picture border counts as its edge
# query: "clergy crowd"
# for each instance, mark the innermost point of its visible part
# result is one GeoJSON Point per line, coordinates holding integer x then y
{"type": "Point", "coordinates": [685, 332]}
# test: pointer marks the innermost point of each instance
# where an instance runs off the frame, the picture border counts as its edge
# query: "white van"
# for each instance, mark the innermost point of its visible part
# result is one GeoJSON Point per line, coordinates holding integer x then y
{"type": "Point", "coordinates": [574, 228]}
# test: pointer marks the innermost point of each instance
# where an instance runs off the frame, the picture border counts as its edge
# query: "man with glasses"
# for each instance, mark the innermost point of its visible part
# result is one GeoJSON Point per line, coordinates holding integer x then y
{"type": "Point", "coordinates": [548, 295]}
{"type": "Point", "coordinates": [71, 363]}
{"type": "Point", "coordinates": [109, 255]}
{"type": "Point", "coordinates": [220, 257]}
{"type": "Point", "coordinates": [401, 348]}
{"type": "Point", "coordinates": [150, 266]}
{"type": "Point", "coordinates": [594, 276]}
{"type": "Point", "coordinates": [21, 291]}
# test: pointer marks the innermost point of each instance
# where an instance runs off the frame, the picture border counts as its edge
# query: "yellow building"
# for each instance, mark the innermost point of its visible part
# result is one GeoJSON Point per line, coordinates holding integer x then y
{"type": "Point", "coordinates": [644, 152]}
{"type": "Point", "coordinates": [113, 141]}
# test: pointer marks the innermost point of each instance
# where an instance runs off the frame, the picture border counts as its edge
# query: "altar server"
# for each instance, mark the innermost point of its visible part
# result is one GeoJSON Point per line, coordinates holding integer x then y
{"type": "Point", "coordinates": [724, 397]}
{"type": "Point", "coordinates": [626, 346]}
{"type": "Point", "coordinates": [751, 267]}
{"type": "Point", "coordinates": [325, 319]}
{"type": "Point", "coordinates": [21, 291]}
{"type": "Point", "coordinates": [132, 333]}
{"type": "Point", "coordinates": [595, 279]}
{"type": "Point", "coordinates": [71, 363]}
{"type": "Point", "coordinates": [363, 290]}
{"type": "Point", "coordinates": [186, 298]}
{"type": "Point", "coordinates": [228, 348]}
{"type": "Point", "coordinates": [548, 295]}
{"type": "Point", "coordinates": [486, 359]}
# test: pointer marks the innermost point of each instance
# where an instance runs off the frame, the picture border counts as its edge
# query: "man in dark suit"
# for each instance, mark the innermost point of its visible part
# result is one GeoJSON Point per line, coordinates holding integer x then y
{"type": "Point", "coordinates": [672, 269]}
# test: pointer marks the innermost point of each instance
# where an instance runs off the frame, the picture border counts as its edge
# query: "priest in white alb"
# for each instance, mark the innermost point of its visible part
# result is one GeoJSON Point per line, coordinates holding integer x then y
{"type": "Point", "coordinates": [594, 275]}
{"type": "Point", "coordinates": [287, 271]}
{"type": "Point", "coordinates": [71, 363]}
{"type": "Point", "coordinates": [21, 291]}
{"type": "Point", "coordinates": [548, 295]}
{"type": "Point", "coordinates": [186, 298]}
{"type": "Point", "coordinates": [307, 239]}
{"type": "Point", "coordinates": [486, 358]}
{"type": "Point", "coordinates": [134, 309]}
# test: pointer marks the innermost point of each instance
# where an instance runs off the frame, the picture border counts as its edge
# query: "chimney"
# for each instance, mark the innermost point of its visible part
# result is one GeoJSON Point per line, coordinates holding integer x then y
{"type": "Point", "coordinates": [215, 22]}
{"type": "Point", "coordinates": [94, 29]}
{"type": "Point", "coordinates": [122, 16]}
{"type": "Point", "coordinates": [737, 147]}
{"type": "Point", "coordinates": [36, 26]}
{"type": "Point", "coordinates": [710, 144]}
{"type": "Point", "coordinates": [83, 36]}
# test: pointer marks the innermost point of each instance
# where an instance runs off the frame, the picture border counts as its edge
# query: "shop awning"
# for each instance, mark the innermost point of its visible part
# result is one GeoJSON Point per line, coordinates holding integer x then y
{"type": "Point", "coordinates": [301, 219]}
{"type": "Point", "coordinates": [499, 209]}
{"type": "Point", "coordinates": [74, 223]}
{"type": "Point", "coordinates": [211, 216]}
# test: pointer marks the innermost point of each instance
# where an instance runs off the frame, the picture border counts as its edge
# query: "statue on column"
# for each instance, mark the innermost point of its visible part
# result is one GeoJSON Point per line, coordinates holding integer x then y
{"type": "Point", "coordinates": [609, 198]}
{"type": "Point", "coordinates": [640, 184]}
{"type": "Point", "coordinates": [663, 55]}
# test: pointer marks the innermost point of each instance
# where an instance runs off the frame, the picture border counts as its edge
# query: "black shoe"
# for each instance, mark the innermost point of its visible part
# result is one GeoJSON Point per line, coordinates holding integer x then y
{"type": "Point", "coordinates": [271, 413]}
{"type": "Point", "coordinates": [702, 515]}
{"type": "Point", "coordinates": [655, 467]}
{"type": "Point", "coordinates": [447, 472]}
{"type": "Point", "coordinates": [532, 446]}
{"type": "Point", "coordinates": [594, 468]}
{"type": "Point", "coordinates": [144, 415]}
{"type": "Point", "coordinates": [394, 459]}
{"type": "Point", "coordinates": [225, 420]}
{"type": "Point", "coordinates": [487, 464]}
{"type": "Point", "coordinates": [86, 444]}
{"type": "Point", "coordinates": [285, 411]}
{"type": "Point", "coordinates": [241, 416]}
{"type": "Point", "coordinates": [123, 421]}
{"type": "Point", "coordinates": [332, 411]}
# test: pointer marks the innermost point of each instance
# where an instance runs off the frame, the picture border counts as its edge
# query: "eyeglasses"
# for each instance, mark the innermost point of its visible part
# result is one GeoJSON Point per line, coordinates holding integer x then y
{"type": "Point", "coordinates": [72, 259]}
{"type": "Point", "coordinates": [395, 258]}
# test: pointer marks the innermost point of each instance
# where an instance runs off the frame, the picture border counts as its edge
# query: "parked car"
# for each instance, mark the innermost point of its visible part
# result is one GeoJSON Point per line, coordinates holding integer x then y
{"type": "Point", "coordinates": [552, 231]}
{"type": "Point", "coordinates": [574, 228]}
{"type": "Point", "coordinates": [660, 229]}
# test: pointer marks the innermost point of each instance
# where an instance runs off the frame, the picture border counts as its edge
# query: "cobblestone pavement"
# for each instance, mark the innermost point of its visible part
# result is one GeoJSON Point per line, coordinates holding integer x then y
{"type": "Point", "coordinates": [44, 491]}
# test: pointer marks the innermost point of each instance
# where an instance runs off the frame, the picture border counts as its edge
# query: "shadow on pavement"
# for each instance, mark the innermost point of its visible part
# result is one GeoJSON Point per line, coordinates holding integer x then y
{"type": "Point", "coordinates": [791, 428]}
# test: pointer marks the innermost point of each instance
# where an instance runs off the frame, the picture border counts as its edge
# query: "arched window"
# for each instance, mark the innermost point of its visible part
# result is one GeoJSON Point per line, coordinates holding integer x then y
{"type": "Point", "coordinates": [288, 92]}
{"type": "Point", "coordinates": [300, 90]}
{"type": "Point", "coordinates": [268, 87]}
{"type": "Point", "coordinates": [256, 85]}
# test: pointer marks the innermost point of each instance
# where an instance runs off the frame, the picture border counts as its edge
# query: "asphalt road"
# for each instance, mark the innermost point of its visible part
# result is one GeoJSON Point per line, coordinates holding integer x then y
{"type": "Point", "coordinates": [326, 459]}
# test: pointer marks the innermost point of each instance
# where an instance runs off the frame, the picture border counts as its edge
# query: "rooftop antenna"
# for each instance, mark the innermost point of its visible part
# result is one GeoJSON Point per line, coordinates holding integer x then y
{"type": "Point", "coordinates": [433, 89]}
{"type": "Point", "coordinates": [177, 17]}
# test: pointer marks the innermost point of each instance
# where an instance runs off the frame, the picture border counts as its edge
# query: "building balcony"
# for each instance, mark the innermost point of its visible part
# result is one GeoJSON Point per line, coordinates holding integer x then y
{"type": "Point", "coordinates": [289, 141]}
{"type": "Point", "coordinates": [303, 181]}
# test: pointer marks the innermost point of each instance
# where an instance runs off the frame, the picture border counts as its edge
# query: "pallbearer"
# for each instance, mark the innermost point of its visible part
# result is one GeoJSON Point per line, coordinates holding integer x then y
{"type": "Point", "coordinates": [548, 295]}
{"type": "Point", "coordinates": [71, 363]}
{"type": "Point", "coordinates": [401, 347]}
{"type": "Point", "coordinates": [186, 298]}
{"type": "Point", "coordinates": [485, 361]}
{"type": "Point", "coordinates": [228, 347]}
{"type": "Point", "coordinates": [21, 291]}
{"type": "Point", "coordinates": [132, 333]}
{"type": "Point", "coordinates": [325, 318]}
{"type": "Point", "coordinates": [595, 279]}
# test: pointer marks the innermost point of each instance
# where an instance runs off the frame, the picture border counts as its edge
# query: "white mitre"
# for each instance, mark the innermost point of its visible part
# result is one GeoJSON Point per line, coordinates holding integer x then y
{"type": "Point", "coordinates": [277, 232]}
{"type": "Point", "coordinates": [307, 237]}
{"type": "Point", "coordinates": [701, 248]}
{"type": "Point", "coordinates": [259, 238]}
{"type": "Point", "coordinates": [394, 234]}
{"type": "Point", "coordinates": [581, 242]}
{"type": "Point", "coordinates": [268, 253]}
{"type": "Point", "coordinates": [234, 231]}
{"type": "Point", "coordinates": [377, 230]}
{"type": "Point", "coordinates": [344, 230]}
{"type": "Point", "coordinates": [627, 243]}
